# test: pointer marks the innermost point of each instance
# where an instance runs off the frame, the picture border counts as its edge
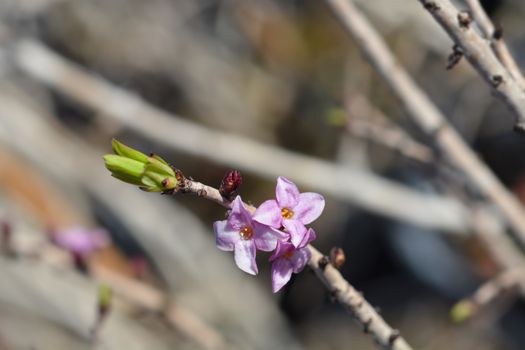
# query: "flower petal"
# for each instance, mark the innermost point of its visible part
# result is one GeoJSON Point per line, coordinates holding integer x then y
{"type": "Point", "coordinates": [281, 273]}
{"type": "Point", "coordinates": [239, 216]}
{"type": "Point", "coordinates": [308, 237]}
{"type": "Point", "coordinates": [225, 235]}
{"type": "Point", "coordinates": [281, 249]}
{"type": "Point", "coordinates": [309, 208]}
{"type": "Point", "coordinates": [269, 214]}
{"type": "Point", "coordinates": [296, 229]}
{"type": "Point", "coordinates": [266, 237]}
{"type": "Point", "coordinates": [245, 256]}
{"type": "Point", "coordinates": [299, 259]}
{"type": "Point", "coordinates": [286, 193]}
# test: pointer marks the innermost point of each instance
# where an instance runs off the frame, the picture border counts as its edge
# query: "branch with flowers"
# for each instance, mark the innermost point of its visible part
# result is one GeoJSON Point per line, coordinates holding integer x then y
{"type": "Point", "coordinates": [277, 225]}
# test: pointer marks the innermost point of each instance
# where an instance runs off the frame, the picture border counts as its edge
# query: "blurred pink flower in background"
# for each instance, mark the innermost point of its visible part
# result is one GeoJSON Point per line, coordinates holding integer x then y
{"type": "Point", "coordinates": [81, 241]}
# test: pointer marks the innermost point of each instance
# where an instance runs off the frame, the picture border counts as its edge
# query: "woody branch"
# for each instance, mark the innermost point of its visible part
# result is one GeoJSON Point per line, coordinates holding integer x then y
{"type": "Point", "coordinates": [494, 35]}
{"type": "Point", "coordinates": [479, 53]}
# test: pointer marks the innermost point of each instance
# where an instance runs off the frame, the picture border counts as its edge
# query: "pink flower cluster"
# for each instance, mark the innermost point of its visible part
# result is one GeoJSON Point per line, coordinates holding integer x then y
{"type": "Point", "coordinates": [277, 225]}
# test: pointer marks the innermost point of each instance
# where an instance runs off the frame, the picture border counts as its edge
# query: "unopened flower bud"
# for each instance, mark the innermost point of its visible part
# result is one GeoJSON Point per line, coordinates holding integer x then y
{"type": "Point", "coordinates": [337, 257]}
{"type": "Point", "coordinates": [231, 182]}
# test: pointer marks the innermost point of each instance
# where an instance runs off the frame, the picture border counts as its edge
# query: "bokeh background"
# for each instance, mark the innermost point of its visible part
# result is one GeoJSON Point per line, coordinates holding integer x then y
{"type": "Point", "coordinates": [266, 87]}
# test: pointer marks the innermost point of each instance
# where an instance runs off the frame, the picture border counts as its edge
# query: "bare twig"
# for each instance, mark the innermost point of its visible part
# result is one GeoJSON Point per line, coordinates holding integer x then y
{"type": "Point", "coordinates": [154, 300]}
{"type": "Point", "coordinates": [490, 291]}
{"type": "Point", "coordinates": [353, 301]}
{"type": "Point", "coordinates": [368, 122]}
{"type": "Point", "coordinates": [495, 37]}
{"type": "Point", "coordinates": [426, 114]}
{"type": "Point", "coordinates": [479, 53]}
{"type": "Point", "coordinates": [347, 183]}
{"type": "Point", "coordinates": [500, 247]}
{"type": "Point", "coordinates": [505, 253]}
{"type": "Point", "coordinates": [68, 299]}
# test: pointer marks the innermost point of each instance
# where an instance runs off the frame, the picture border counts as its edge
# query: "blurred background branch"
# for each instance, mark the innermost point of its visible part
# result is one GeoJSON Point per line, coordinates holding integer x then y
{"type": "Point", "coordinates": [347, 183]}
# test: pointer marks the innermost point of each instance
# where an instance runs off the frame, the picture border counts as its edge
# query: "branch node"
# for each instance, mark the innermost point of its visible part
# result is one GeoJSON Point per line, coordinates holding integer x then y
{"type": "Point", "coordinates": [393, 336]}
{"type": "Point", "coordinates": [366, 326]}
{"type": "Point", "coordinates": [333, 295]}
{"type": "Point", "coordinates": [323, 261]}
{"type": "Point", "coordinates": [498, 31]}
{"type": "Point", "coordinates": [454, 57]}
{"type": "Point", "coordinates": [431, 6]}
{"type": "Point", "coordinates": [464, 19]}
{"type": "Point", "coordinates": [496, 80]}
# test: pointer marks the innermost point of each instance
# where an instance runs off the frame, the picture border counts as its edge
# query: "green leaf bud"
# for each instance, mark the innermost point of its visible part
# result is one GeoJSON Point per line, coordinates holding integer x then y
{"type": "Point", "coordinates": [128, 152]}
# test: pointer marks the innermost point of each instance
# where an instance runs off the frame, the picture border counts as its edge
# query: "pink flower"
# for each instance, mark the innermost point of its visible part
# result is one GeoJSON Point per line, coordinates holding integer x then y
{"type": "Point", "coordinates": [292, 210]}
{"type": "Point", "coordinates": [287, 259]}
{"type": "Point", "coordinates": [244, 236]}
{"type": "Point", "coordinates": [81, 241]}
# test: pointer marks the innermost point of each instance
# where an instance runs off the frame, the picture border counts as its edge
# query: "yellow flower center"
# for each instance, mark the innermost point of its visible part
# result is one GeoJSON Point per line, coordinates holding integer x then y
{"type": "Point", "coordinates": [246, 233]}
{"type": "Point", "coordinates": [286, 213]}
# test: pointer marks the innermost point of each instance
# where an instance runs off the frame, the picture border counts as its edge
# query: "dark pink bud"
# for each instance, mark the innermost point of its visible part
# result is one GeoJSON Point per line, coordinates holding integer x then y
{"type": "Point", "coordinates": [230, 184]}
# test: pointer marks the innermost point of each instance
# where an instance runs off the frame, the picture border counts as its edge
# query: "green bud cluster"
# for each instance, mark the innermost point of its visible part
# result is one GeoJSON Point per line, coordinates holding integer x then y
{"type": "Point", "coordinates": [150, 173]}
